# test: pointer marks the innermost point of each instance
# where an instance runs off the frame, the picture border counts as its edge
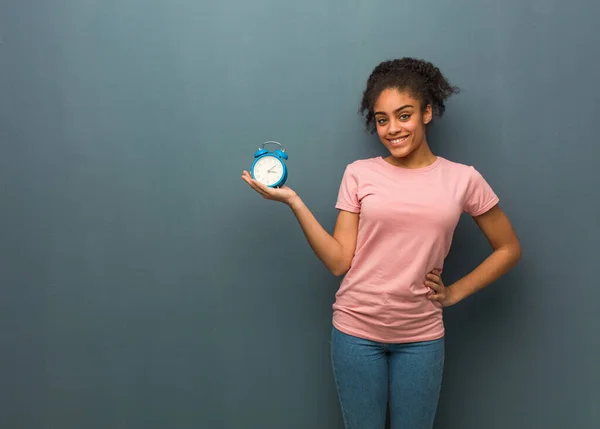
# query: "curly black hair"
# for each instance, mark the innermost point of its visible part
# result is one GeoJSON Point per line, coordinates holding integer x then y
{"type": "Point", "coordinates": [420, 78]}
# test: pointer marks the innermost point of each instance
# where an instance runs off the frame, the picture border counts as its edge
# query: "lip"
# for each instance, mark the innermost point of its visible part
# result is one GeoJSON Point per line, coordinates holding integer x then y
{"type": "Point", "coordinates": [398, 141]}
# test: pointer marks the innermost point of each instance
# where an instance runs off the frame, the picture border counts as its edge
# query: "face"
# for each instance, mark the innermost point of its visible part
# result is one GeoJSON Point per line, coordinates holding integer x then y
{"type": "Point", "coordinates": [400, 122]}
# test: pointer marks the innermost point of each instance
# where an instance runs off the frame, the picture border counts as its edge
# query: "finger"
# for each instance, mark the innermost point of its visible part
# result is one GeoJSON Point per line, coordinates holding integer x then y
{"type": "Point", "coordinates": [257, 187]}
{"type": "Point", "coordinates": [436, 287]}
{"type": "Point", "coordinates": [436, 297]}
{"type": "Point", "coordinates": [263, 189]}
{"type": "Point", "coordinates": [248, 178]}
{"type": "Point", "coordinates": [433, 277]}
{"type": "Point", "coordinates": [436, 272]}
{"type": "Point", "coordinates": [251, 182]}
{"type": "Point", "coordinates": [267, 192]}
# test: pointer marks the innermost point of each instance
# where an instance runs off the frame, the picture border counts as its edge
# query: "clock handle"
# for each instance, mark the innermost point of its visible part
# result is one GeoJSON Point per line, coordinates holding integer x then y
{"type": "Point", "coordinates": [273, 142]}
{"type": "Point", "coordinates": [279, 152]}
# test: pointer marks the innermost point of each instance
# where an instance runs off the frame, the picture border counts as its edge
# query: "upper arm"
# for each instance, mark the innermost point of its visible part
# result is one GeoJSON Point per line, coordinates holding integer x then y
{"type": "Point", "coordinates": [498, 230]}
{"type": "Point", "coordinates": [346, 233]}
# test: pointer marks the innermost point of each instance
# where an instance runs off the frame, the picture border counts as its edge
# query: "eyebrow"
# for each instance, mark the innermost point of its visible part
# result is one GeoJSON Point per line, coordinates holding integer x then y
{"type": "Point", "coordinates": [397, 110]}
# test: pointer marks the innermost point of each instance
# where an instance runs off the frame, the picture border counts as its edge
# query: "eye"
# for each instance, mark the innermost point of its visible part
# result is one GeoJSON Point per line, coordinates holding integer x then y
{"type": "Point", "coordinates": [381, 121]}
{"type": "Point", "coordinates": [405, 117]}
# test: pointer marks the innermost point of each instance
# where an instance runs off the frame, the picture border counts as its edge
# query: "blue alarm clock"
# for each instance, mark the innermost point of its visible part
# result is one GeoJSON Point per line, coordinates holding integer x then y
{"type": "Point", "coordinates": [269, 167]}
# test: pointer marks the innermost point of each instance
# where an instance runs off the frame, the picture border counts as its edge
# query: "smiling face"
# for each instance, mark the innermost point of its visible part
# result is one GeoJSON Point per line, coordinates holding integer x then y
{"type": "Point", "coordinates": [401, 121]}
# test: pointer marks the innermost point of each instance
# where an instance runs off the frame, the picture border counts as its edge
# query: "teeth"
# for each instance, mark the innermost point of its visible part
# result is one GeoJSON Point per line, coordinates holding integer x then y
{"type": "Point", "coordinates": [397, 141]}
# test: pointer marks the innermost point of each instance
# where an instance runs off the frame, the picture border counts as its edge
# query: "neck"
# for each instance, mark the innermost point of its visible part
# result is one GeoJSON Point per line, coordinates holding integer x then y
{"type": "Point", "coordinates": [418, 158]}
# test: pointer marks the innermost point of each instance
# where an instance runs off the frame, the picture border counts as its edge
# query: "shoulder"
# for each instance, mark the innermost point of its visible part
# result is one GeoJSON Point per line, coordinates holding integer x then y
{"type": "Point", "coordinates": [362, 165]}
{"type": "Point", "coordinates": [365, 162]}
{"type": "Point", "coordinates": [477, 194]}
{"type": "Point", "coordinates": [359, 171]}
{"type": "Point", "coordinates": [460, 171]}
{"type": "Point", "coordinates": [455, 166]}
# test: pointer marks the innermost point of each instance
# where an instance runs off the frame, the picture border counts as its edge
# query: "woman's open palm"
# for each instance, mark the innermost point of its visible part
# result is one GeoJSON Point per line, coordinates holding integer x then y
{"type": "Point", "coordinates": [284, 194]}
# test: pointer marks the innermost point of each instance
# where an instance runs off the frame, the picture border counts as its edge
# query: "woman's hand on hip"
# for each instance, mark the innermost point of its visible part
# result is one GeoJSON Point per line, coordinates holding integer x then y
{"type": "Point", "coordinates": [439, 292]}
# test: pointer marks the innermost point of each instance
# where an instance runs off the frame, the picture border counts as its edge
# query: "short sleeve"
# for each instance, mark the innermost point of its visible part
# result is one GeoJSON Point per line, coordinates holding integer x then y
{"type": "Point", "coordinates": [479, 196]}
{"type": "Point", "coordinates": [348, 192]}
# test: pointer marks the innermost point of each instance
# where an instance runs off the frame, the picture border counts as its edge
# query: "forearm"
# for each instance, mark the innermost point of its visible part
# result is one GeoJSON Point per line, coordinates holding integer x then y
{"type": "Point", "coordinates": [324, 245]}
{"type": "Point", "coordinates": [490, 270]}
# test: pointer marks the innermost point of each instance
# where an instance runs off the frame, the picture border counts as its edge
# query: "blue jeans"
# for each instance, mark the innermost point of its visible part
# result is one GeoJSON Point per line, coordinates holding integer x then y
{"type": "Point", "coordinates": [369, 375]}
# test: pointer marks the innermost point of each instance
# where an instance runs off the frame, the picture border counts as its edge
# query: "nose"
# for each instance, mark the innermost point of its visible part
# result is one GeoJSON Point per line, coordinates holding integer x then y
{"type": "Point", "coordinates": [395, 127]}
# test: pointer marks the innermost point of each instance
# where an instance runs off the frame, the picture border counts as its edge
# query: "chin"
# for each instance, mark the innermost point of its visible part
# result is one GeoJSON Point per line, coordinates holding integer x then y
{"type": "Point", "coordinates": [400, 152]}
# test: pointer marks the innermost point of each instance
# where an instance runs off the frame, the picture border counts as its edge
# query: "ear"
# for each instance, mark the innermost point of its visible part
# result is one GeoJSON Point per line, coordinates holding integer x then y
{"type": "Point", "coordinates": [427, 114]}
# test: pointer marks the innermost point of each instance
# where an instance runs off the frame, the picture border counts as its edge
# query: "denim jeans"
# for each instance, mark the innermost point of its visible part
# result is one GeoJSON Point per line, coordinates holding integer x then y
{"type": "Point", "coordinates": [369, 375]}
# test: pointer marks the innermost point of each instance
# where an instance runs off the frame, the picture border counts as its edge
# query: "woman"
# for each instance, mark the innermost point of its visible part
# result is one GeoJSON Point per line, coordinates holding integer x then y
{"type": "Point", "coordinates": [396, 219]}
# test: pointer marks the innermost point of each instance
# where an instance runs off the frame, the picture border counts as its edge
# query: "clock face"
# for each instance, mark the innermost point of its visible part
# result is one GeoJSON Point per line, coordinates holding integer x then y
{"type": "Point", "coordinates": [268, 170]}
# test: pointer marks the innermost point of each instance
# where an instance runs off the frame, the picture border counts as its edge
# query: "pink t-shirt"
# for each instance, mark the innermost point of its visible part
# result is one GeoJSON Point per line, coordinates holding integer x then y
{"type": "Point", "coordinates": [407, 221]}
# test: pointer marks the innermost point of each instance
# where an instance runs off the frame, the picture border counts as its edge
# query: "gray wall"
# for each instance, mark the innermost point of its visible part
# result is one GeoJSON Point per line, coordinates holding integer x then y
{"type": "Point", "coordinates": [143, 285]}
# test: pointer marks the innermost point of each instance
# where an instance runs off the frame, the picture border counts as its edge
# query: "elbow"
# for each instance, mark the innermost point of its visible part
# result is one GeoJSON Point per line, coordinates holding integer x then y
{"type": "Point", "coordinates": [518, 253]}
{"type": "Point", "coordinates": [514, 253]}
{"type": "Point", "coordinates": [339, 270]}
{"type": "Point", "coordinates": [341, 262]}
{"type": "Point", "coordinates": [516, 250]}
